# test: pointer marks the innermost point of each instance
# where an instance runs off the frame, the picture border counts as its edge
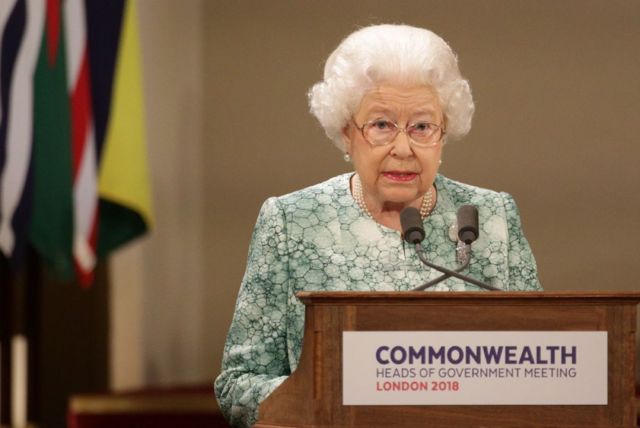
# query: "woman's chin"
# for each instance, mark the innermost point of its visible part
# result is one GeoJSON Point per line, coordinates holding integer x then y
{"type": "Point", "coordinates": [406, 197]}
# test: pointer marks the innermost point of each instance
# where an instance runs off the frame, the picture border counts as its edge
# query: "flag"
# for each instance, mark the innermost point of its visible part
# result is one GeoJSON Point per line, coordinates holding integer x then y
{"type": "Point", "coordinates": [51, 197]}
{"type": "Point", "coordinates": [125, 197]}
{"type": "Point", "coordinates": [83, 145]}
{"type": "Point", "coordinates": [23, 22]}
{"type": "Point", "coordinates": [79, 183]}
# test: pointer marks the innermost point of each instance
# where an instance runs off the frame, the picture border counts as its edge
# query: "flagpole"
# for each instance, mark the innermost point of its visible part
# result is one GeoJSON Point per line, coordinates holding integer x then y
{"type": "Point", "coordinates": [6, 316]}
{"type": "Point", "coordinates": [19, 350]}
{"type": "Point", "coordinates": [19, 353]}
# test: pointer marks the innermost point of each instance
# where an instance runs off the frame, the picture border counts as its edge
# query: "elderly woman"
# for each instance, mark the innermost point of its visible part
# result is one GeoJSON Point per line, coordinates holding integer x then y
{"type": "Point", "coordinates": [392, 95]}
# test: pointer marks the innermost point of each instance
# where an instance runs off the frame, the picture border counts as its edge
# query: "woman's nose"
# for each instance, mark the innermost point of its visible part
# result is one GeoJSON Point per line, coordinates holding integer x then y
{"type": "Point", "coordinates": [402, 145]}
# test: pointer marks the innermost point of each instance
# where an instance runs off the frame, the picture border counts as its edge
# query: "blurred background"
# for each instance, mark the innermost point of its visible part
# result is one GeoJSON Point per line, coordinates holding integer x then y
{"type": "Point", "coordinates": [227, 125]}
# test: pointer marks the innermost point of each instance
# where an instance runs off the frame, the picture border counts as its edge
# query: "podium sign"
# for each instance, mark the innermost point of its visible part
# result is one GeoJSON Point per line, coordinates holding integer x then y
{"type": "Point", "coordinates": [474, 368]}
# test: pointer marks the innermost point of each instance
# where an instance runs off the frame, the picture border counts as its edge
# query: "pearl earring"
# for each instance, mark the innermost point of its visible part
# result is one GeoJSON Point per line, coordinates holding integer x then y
{"type": "Point", "coordinates": [347, 157]}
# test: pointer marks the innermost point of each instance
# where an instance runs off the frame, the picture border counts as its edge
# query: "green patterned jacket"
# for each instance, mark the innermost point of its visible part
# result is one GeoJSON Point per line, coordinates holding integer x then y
{"type": "Point", "coordinates": [318, 238]}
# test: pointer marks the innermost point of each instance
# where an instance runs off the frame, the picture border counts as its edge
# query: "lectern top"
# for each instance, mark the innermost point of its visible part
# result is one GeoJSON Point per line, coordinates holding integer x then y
{"type": "Point", "coordinates": [422, 298]}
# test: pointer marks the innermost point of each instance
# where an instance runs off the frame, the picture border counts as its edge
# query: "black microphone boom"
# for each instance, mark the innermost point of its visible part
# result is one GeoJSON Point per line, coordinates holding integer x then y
{"type": "Point", "coordinates": [450, 272]}
{"type": "Point", "coordinates": [413, 233]}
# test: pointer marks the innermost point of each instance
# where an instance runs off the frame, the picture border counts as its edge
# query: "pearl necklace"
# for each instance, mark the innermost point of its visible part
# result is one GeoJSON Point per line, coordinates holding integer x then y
{"type": "Point", "coordinates": [425, 208]}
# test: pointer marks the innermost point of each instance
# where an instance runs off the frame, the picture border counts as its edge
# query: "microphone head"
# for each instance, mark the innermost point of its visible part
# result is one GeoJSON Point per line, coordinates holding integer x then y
{"type": "Point", "coordinates": [412, 228]}
{"type": "Point", "coordinates": [468, 224]}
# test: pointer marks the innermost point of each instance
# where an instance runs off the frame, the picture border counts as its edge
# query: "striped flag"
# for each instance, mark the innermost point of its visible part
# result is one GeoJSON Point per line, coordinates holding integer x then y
{"type": "Point", "coordinates": [21, 38]}
{"type": "Point", "coordinates": [83, 144]}
{"type": "Point", "coordinates": [73, 173]}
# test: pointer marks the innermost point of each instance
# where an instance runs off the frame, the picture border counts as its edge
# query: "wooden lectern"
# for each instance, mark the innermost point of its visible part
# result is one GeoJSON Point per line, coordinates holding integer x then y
{"type": "Point", "coordinates": [312, 395]}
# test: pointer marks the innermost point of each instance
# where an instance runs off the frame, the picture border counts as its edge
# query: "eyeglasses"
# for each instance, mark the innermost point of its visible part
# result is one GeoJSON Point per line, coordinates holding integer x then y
{"type": "Point", "coordinates": [380, 132]}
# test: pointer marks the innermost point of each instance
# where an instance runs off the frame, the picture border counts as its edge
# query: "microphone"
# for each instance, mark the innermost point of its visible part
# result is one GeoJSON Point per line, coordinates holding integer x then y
{"type": "Point", "coordinates": [468, 224]}
{"type": "Point", "coordinates": [413, 232]}
{"type": "Point", "coordinates": [411, 223]}
{"type": "Point", "coordinates": [467, 232]}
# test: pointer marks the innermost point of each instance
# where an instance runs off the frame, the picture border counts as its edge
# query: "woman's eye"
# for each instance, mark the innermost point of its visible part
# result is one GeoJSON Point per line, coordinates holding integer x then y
{"type": "Point", "coordinates": [382, 125]}
{"type": "Point", "coordinates": [421, 126]}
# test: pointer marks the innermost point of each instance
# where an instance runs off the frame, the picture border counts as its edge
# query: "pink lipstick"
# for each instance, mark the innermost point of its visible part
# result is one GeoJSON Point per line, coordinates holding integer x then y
{"type": "Point", "coordinates": [400, 176]}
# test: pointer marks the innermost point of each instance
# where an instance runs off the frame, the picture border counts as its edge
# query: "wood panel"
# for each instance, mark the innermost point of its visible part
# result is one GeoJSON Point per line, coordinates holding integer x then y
{"type": "Point", "coordinates": [312, 396]}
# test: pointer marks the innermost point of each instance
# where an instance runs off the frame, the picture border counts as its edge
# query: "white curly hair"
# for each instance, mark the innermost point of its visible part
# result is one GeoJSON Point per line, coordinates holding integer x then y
{"type": "Point", "coordinates": [390, 54]}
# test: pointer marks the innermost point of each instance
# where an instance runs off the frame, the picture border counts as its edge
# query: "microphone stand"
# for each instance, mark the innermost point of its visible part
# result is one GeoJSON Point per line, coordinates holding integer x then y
{"type": "Point", "coordinates": [448, 273]}
{"type": "Point", "coordinates": [465, 262]}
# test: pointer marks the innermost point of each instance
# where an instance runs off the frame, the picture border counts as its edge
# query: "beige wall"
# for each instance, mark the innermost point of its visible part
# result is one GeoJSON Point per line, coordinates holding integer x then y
{"type": "Point", "coordinates": [158, 283]}
{"type": "Point", "coordinates": [557, 95]}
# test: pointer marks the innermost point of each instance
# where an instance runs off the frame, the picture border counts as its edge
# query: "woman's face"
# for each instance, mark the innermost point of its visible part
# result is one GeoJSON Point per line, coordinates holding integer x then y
{"type": "Point", "coordinates": [398, 173]}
